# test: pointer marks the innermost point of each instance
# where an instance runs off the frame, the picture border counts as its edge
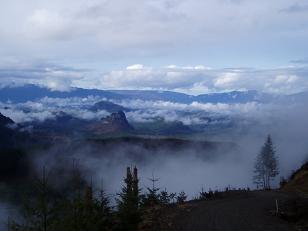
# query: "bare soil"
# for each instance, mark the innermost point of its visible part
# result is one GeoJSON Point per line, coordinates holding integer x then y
{"type": "Point", "coordinates": [251, 211]}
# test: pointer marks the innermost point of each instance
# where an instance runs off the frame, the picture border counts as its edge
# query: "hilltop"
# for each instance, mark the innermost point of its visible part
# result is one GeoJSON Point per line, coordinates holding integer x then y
{"type": "Point", "coordinates": [298, 181]}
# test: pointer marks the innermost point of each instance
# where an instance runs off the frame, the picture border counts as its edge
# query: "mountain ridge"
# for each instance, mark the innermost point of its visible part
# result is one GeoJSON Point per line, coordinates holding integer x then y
{"type": "Point", "coordinates": [33, 92]}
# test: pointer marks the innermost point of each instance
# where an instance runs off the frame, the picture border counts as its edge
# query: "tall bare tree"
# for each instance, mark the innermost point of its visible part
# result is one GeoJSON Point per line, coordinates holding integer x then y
{"type": "Point", "coordinates": [266, 165]}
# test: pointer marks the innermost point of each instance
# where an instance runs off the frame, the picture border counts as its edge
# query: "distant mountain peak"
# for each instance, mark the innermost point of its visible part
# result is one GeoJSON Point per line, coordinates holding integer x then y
{"type": "Point", "coordinates": [117, 119]}
{"type": "Point", "coordinates": [107, 106]}
{"type": "Point", "coordinates": [114, 123]}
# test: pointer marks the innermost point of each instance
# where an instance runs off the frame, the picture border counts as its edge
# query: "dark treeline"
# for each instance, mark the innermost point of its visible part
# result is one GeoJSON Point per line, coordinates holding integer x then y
{"type": "Point", "coordinates": [71, 203]}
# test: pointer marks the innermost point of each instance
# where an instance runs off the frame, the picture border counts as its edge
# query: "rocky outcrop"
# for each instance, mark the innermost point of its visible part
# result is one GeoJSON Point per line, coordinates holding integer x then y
{"type": "Point", "coordinates": [5, 121]}
{"type": "Point", "coordinates": [107, 106]}
{"type": "Point", "coordinates": [115, 123]}
{"type": "Point", "coordinates": [7, 133]}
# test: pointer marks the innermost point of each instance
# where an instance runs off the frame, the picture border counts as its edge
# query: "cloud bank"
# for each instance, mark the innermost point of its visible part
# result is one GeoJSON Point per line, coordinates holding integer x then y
{"type": "Point", "coordinates": [193, 80]}
{"type": "Point", "coordinates": [200, 80]}
{"type": "Point", "coordinates": [116, 32]}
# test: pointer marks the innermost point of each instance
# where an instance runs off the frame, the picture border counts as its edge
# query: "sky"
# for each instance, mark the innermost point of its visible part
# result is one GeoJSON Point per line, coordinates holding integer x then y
{"type": "Point", "coordinates": [194, 46]}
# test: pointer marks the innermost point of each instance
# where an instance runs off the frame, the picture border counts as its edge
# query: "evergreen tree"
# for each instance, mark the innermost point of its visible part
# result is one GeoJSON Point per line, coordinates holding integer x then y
{"type": "Point", "coordinates": [165, 197]}
{"type": "Point", "coordinates": [172, 197]}
{"type": "Point", "coordinates": [181, 198]}
{"type": "Point", "coordinates": [266, 165]}
{"type": "Point", "coordinates": [151, 198]}
{"type": "Point", "coordinates": [96, 214]}
{"type": "Point", "coordinates": [128, 203]}
{"type": "Point", "coordinates": [103, 202]}
{"type": "Point", "coordinates": [38, 209]}
{"type": "Point", "coordinates": [202, 194]}
{"type": "Point", "coordinates": [48, 210]}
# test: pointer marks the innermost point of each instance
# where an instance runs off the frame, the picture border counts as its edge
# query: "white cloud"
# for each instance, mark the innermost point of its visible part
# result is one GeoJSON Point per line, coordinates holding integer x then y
{"type": "Point", "coordinates": [45, 24]}
{"type": "Point", "coordinates": [201, 67]}
{"type": "Point", "coordinates": [197, 80]}
{"type": "Point", "coordinates": [49, 75]}
{"type": "Point", "coordinates": [48, 108]}
{"type": "Point", "coordinates": [145, 111]}
{"type": "Point", "coordinates": [221, 108]}
{"type": "Point", "coordinates": [187, 79]}
{"type": "Point", "coordinates": [155, 29]}
{"type": "Point", "coordinates": [135, 67]}
{"type": "Point", "coordinates": [227, 80]}
{"type": "Point", "coordinates": [171, 66]}
{"type": "Point", "coordinates": [285, 79]}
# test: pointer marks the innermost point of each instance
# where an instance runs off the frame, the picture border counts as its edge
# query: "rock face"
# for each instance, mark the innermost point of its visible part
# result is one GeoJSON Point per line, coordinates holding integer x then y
{"type": "Point", "coordinates": [5, 121]}
{"type": "Point", "coordinates": [7, 134]}
{"type": "Point", "coordinates": [115, 123]}
{"type": "Point", "coordinates": [107, 106]}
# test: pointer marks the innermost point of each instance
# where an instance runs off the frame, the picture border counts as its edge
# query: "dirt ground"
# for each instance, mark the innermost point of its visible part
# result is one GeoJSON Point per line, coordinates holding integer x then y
{"type": "Point", "coordinates": [251, 211]}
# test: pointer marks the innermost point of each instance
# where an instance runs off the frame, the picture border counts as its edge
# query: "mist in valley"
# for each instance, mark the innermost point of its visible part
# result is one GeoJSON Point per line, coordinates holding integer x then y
{"type": "Point", "coordinates": [214, 160]}
{"type": "Point", "coordinates": [192, 168]}
{"type": "Point", "coordinates": [189, 169]}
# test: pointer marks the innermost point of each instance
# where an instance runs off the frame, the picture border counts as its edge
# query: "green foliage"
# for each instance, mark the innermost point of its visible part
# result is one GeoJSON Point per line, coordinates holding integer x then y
{"type": "Point", "coordinates": [87, 213]}
{"type": "Point", "coordinates": [181, 198]}
{"type": "Point", "coordinates": [129, 202]}
{"type": "Point", "coordinates": [165, 198]}
{"type": "Point", "coordinates": [45, 210]}
{"type": "Point", "coordinates": [79, 208]}
{"type": "Point", "coordinates": [38, 210]}
{"type": "Point", "coordinates": [203, 195]}
{"type": "Point", "coordinates": [151, 198]}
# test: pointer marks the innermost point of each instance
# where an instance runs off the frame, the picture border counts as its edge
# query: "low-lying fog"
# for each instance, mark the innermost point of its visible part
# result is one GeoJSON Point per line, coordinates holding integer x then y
{"type": "Point", "coordinates": [185, 169]}
{"type": "Point", "coordinates": [189, 169]}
